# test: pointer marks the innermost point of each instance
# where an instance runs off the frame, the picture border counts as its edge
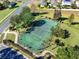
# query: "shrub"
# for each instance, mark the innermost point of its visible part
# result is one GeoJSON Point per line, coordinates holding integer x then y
{"type": "Point", "coordinates": [57, 41]}
{"type": "Point", "coordinates": [1, 6]}
{"type": "Point", "coordinates": [6, 3]}
{"type": "Point", "coordinates": [74, 6]}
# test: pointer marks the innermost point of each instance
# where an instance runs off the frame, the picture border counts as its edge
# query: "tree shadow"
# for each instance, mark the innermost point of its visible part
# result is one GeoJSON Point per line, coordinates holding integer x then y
{"type": "Point", "coordinates": [62, 18]}
{"type": "Point", "coordinates": [37, 14]}
{"type": "Point", "coordinates": [14, 7]}
{"type": "Point", "coordinates": [2, 7]}
{"type": "Point", "coordinates": [38, 23]}
{"type": "Point", "coordinates": [29, 30]}
{"type": "Point", "coordinates": [74, 23]}
{"type": "Point", "coordinates": [34, 24]}
{"type": "Point", "coordinates": [76, 47]}
{"type": "Point", "coordinates": [66, 34]}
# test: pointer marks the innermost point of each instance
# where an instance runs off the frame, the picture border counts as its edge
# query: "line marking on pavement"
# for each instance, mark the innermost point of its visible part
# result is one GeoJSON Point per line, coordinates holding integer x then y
{"type": "Point", "coordinates": [7, 16]}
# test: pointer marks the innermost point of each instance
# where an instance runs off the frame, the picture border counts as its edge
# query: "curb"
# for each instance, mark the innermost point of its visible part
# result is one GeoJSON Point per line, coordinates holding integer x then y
{"type": "Point", "coordinates": [7, 16]}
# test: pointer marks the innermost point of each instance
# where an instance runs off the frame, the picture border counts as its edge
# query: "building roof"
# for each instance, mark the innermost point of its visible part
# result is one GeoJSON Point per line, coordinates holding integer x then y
{"type": "Point", "coordinates": [66, 2]}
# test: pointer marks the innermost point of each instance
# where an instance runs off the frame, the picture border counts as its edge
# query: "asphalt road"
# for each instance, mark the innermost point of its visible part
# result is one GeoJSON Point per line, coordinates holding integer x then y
{"type": "Point", "coordinates": [5, 24]}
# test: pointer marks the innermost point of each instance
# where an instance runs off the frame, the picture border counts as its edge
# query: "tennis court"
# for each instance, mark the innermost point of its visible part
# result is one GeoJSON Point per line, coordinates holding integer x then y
{"type": "Point", "coordinates": [39, 33]}
{"type": "Point", "coordinates": [8, 53]}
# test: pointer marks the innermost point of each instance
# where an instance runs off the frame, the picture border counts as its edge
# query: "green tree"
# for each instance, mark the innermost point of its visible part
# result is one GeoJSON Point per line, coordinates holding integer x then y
{"type": "Point", "coordinates": [58, 32]}
{"type": "Point", "coordinates": [6, 3]}
{"type": "Point", "coordinates": [57, 41]}
{"type": "Point", "coordinates": [16, 20]}
{"type": "Point", "coordinates": [57, 14]}
{"type": "Point", "coordinates": [74, 6]}
{"type": "Point", "coordinates": [59, 5]}
{"type": "Point", "coordinates": [25, 10]}
{"type": "Point", "coordinates": [1, 6]}
{"type": "Point", "coordinates": [71, 18]}
{"type": "Point", "coordinates": [22, 20]}
{"type": "Point", "coordinates": [27, 19]}
{"type": "Point", "coordinates": [26, 16]}
{"type": "Point", "coordinates": [61, 33]}
{"type": "Point", "coordinates": [67, 53]}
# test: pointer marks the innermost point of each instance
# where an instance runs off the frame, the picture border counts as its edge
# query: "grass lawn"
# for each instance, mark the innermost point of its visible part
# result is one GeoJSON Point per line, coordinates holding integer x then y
{"type": "Point", "coordinates": [73, 30]}
{"type": "Point", "coordinates": [74, 38]}
{"type": "Point", "coordinates": [74, 35]}
{"type": "Point", "coordinates": [65, 14]}
{"type": "Point", "coordinates": [4, 13]}
{"type": "Point", "coordinates": [10, 36]}
{"type": "Point", "coordinates": [71, 41]}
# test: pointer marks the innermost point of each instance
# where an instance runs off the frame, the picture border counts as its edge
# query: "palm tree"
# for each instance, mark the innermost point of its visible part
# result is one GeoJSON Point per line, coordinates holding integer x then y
{"type": "Point", "coordinates": [71, 18]}
{"type": "Point", "coordinates": [57, 14]}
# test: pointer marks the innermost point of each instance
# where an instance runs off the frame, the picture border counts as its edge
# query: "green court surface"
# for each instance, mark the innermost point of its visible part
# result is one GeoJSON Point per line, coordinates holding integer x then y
{"type": "Point", "coordinates": [37, 36]}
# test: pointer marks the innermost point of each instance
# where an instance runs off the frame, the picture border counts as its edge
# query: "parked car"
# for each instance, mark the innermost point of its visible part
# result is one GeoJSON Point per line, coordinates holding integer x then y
{"type": "Point", "coordinates": [12, 4]}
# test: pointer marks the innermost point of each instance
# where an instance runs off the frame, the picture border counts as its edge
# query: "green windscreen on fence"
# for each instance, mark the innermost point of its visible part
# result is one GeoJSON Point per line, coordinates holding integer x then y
{"type": "Point", "coordinates": [35, 38]}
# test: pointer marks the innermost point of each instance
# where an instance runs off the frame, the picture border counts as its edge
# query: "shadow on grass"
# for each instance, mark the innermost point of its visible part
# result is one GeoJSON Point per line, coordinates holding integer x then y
{"type": "Point", "coordinates": [14, 7]}
{"type": "Point", "coordinates": [66, 34]}
{"type": "Point", "coordinates": [62, 18]}
{"type": "Point", "coordinates": [37, 14]}
{"type": "Point", "coordinates": [75, 23]}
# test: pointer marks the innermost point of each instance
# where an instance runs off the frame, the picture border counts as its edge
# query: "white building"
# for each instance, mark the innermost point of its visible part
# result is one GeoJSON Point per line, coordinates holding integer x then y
{"type": "Point", "coordinates": [77, 3]}
{"type": "Point", "coordinates": [69, 2]}
{"type": "Point", "coordinates": [63, 2]}
{"type": "Point", "coordinates": [66, 2]}
{"type": "Point", "coordinates": [42, 3]}
{"type": "Point", "coordinates": [10, 0]}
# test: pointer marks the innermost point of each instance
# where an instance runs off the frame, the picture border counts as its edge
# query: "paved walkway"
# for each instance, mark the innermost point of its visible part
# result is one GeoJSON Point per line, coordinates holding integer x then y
{"type": "Point", "coordinates": [44, 53]}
